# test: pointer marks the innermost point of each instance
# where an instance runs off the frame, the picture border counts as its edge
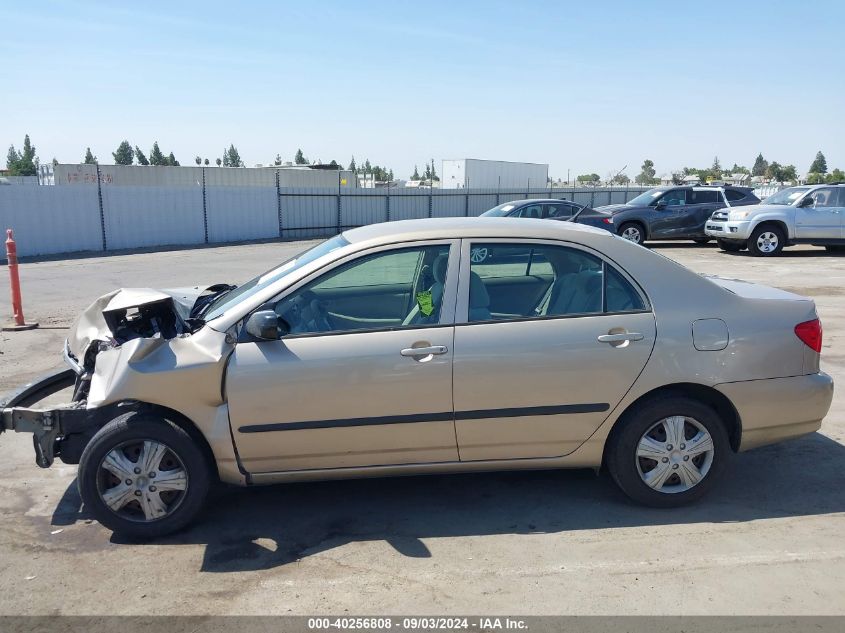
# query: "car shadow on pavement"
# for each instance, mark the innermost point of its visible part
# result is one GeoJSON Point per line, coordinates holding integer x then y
{"type": "Point", "coordinates": [266, 527]}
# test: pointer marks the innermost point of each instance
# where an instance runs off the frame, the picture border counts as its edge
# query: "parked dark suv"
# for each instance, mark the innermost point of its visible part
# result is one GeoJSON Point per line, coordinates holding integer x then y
{"type": "Point", "coordinates": [674, 213]}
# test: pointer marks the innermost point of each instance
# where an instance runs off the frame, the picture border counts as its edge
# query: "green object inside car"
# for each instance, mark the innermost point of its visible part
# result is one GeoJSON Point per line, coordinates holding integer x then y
{"type": "Point", "coordinates": [425, 302]}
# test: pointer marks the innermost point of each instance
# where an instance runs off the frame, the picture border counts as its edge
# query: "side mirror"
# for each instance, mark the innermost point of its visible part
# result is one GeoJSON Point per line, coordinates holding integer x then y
{"type": "Point", "coordinates": [661, 204]}
{"type": "Point", "coordinates": [808, 201]}
{"type": "Point", "coordinates": [266, 325]}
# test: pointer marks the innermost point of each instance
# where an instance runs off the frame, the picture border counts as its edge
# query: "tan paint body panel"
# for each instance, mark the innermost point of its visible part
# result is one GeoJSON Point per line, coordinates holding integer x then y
{"type": "Point", "coordinates": [536, 363]}
{"type": "Point", "coordinates": [341, 377]}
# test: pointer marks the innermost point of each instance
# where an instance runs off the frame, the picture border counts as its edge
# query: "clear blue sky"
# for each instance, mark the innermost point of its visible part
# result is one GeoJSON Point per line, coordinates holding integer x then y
{"type": "Point", "coordinates": [585, 86]}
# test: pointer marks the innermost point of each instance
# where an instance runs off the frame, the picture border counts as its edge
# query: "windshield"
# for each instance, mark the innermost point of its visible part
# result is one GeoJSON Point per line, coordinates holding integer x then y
{"type": "Point", "coordinates": [646, 198]}
{"type": "Point", "coordinates": [499, 211]}
{"type": "Point", "coordinates": [786, 196]}
{"type": "Point", "coordinates": [229, 299]}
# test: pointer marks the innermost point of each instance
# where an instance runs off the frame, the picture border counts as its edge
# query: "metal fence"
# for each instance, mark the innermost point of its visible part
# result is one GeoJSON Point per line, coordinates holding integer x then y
{"type": "Point", "coordinates": [53, 220]}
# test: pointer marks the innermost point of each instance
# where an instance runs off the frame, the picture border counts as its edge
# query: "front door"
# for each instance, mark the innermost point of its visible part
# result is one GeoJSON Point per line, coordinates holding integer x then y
{"type": "Point", "coordinates": [823, 219]}
{"type": "Point", "coordinates": [364, 378]}
{"type": "Point", "coordinates": [537, 378]}
{"type": "Point", "coordinates": [669, 219]}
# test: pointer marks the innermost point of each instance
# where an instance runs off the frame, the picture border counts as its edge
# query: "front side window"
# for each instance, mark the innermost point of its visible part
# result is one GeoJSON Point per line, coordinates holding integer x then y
{"type": "Point", "coordinates": [528, 280]}
{"type": "Point", "coordinates": [675, 197]}
{"type": "Point", "coordinates": [391, 289]}
{"type": "Point", "coordinates": [825, 197]}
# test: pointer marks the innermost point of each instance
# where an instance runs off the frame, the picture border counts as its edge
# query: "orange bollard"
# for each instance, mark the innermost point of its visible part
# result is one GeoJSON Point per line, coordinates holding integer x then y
{"type": "Point", "coordinates": [17, 304]}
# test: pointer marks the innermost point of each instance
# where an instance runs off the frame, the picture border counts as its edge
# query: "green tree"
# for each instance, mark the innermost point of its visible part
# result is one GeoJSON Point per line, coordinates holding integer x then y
{"type": "Point", "coordinates": [23, 163]}
{"type": "Point", "coordinates": [416, 174]}
{"type": "Point", "coordinates": [789, 173]}
{"type": "Point", "coordinates": [300, 159]}
{"type": "Point", "coordinates": [819, 165]}
{"type": "Point", "coordinates": [761, 165]}
{"type": "Point", "coordinates": [620, 179]}
{"type": "Point", "coordinates": [646, 175]}
{"type": "Point", "coordinates": [815, 179]}
{"type": "Point", "coordinates": [89, 159]}
{"type": "Point", "coordinates": [171, 160]}
{"type": "Point", "coordinates": [434, 176]}
{"type": "Point", "coordinates": [775, 172]}
{"type": "Point", "coordinates": [352, 166]}
{"type": "Point", "coordinates": [427, 173]}
{"type": "Point", "coordinates": [198, 160]}
{"type": "Point", "coordinates": [218, 161]}
{"type": "Point", "coordinates": [589, 178]}
{"type": "Point", "coordinates": [837, 175]}
{"type": "Point", "coordinates": [278, 160]}
{"type": "Point", "coordinates": [156, 156]}
{"type": "Point", "coordinates": [231, 157]}
{"type": "Point", "coordinates": [739, 169]}
{"type": "Point", "coordinates": [124, 154]}
{"type": "Point", "coordinates": [205, 162]}
{"type": "Point", "coordinates": [716, 169]}
{"type": "Point", "coordinates": [334, 163]}
{"type": "Point", "coordinates": [139, 156]}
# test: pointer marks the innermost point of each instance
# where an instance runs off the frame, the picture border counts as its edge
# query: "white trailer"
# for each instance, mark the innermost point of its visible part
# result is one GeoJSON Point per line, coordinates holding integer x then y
{"type": "Point", "coordinates": [492, 174]}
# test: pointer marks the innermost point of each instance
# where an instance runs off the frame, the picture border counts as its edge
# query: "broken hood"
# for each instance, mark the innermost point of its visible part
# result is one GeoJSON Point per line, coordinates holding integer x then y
{"type": "Point", "coordinates": [133, 313]}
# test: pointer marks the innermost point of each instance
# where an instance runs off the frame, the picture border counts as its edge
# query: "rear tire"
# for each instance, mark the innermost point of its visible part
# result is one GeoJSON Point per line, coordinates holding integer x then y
{"type": "Point", "coordinates": [835, 249]}
{"type": "Point", "coordinates": [143, 476]}
{"type": "Point", "coordinates": [671, 476]}
{"type": "Point", "coordinates": [766, 240]}
{"type": "Point", "coordinates": [633, 232]}
{"type": "Point", "coordinates": [730, 247]}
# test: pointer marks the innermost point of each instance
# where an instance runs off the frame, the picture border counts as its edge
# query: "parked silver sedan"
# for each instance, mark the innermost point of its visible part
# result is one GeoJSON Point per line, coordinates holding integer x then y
{"type": "Point", "coordinates": [389, 350]}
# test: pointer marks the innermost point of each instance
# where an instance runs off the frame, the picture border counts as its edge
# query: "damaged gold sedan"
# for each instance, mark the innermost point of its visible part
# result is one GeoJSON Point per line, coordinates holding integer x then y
{"type": "Point", "coordinates": [391, 350]}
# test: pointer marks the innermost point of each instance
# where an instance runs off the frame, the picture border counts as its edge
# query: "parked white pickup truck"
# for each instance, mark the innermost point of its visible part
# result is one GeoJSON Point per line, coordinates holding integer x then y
{"type": "Point", "coordinates": [813, 214]}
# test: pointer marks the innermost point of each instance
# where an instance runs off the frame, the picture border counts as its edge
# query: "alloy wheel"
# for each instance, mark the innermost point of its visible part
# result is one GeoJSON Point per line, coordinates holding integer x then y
{"type": "Point", "coordinates": [632, 234]}
{"type": "Point", "coordinates": [767, 242]}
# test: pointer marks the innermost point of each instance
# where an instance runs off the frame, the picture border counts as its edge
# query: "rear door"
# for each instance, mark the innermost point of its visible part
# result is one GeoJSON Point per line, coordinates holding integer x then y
{"type": "Point", "coordinates": [822, 220]}
{"type": "Point", "coordinates": [700, 206]}
{"type": "Point", "coordinates": [537, 381]}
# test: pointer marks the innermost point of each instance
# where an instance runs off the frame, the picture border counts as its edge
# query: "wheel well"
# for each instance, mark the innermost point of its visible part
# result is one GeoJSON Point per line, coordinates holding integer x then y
{"type": "Point", "coordinates": [639, 223]}
{"type": "Point", "coordinates": [707, 395]}
{"type": "Point", "coordinates": [183, 422]}
{"type": "Point", "coordinates": [777, 223]}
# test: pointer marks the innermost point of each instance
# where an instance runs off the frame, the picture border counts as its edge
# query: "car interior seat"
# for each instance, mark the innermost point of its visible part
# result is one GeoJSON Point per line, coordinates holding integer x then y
{"type": "Point", "coordinates": [479, 299]}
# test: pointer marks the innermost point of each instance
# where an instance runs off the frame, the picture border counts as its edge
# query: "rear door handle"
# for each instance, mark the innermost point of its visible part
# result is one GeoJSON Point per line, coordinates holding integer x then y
{"type": "Point", "coordinates": [620, 338]}
{"type": "Point", "coordinates": [433, 350]}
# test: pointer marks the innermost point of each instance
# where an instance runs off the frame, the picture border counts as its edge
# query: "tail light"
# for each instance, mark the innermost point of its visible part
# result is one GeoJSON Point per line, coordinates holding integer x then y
{"type": "Point", "coordinates": [810, 333]}
{"type": "Point", "coordinates": [607, 220]}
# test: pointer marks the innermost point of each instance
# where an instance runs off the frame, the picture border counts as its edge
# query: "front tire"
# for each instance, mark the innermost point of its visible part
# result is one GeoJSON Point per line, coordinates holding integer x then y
{"type": "Point", "coordinates": [730, 247]}
{"type": "Point", "coordinates": [766, 241]}
{"type": "Point", "coordinates": [835, 249]}
{"type": "Point", "coordinates": [632, 232]}
{"type": "Point", "coordinates": [143, 476]}
{"type": "Point", "coordinates": [668, 452]}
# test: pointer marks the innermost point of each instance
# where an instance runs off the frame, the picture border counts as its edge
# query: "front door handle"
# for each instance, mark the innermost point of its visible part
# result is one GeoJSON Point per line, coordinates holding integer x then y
{"type": "Point", "coordinates": [620, 338]}
{"type": "Point", "coordinates": [432, 350]}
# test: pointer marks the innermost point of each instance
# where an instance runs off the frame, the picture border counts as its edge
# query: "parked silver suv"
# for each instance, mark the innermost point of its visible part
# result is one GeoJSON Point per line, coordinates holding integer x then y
{"type": "Point", "coordinates": [812, 214]}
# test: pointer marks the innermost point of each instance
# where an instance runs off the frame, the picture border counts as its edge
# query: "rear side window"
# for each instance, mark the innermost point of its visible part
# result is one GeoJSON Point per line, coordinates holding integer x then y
{"type": "Point", "coordinates": [703, 197]}
{"type": "Point", "coordinates": [519, 281]}
{"type": "Point", "coordinates": [733, 195]}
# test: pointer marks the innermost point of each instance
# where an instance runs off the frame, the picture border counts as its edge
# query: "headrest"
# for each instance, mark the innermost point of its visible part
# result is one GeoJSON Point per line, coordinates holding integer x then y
{"type": "Point", "coordinates": [478, 296]}
{"type": "Point", "coordinates": [441, 263]}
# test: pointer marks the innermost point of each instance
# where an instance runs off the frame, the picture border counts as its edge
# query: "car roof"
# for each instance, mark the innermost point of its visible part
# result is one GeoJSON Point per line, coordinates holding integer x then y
{"type": "Point", "coordinates": [534, 201]}
{"type": "Point", "coordinates": [454, 228]}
